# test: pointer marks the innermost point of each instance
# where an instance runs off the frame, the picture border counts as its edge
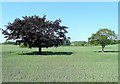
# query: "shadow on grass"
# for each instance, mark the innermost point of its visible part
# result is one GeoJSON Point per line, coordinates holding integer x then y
{"type": "Point", "coordinates": [107, 51]}
{"type": "Point", "coordinates": [47, 53]}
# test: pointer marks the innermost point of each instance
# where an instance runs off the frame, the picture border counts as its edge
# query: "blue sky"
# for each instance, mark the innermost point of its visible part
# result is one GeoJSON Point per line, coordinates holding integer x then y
{"type": "Point", "coordinates": [82, 18]}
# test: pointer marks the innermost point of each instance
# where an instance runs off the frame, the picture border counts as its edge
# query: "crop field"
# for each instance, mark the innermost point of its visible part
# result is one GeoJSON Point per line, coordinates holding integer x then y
{"type": "Point", "coordinates": [62, 64]}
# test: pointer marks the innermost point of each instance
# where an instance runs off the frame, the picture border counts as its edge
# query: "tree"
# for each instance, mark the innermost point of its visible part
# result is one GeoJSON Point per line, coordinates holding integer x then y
{"type": "Point", "coordinates": [102, 37]}
{"type": "Point", "coordinates": [67, 42]}
{"type": "Point", "coordinates": [34, 31]}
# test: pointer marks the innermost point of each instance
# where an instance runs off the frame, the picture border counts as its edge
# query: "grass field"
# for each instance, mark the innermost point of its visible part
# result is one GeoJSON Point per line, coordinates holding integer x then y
{"type": "Point", "coordinates": [85, 64]}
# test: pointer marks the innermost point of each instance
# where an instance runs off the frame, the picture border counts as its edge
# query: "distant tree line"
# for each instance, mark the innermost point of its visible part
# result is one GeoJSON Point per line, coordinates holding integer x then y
{"type": "Point", "coordinates": [9, 42]}
{"type": "Point", "coordinates": [79, 43]}
{"type": "Point", "coordinates": [69, 43]}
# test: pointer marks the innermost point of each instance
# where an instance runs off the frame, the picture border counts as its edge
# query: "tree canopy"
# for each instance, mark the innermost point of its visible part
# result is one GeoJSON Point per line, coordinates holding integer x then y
{"type": "Point", "coordinates": [102, 37]}
{"type": "Point", "coordinates": [35, 31]}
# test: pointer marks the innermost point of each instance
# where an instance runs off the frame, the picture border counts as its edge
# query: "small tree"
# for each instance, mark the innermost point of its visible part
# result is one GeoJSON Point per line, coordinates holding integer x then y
{"type": "Point", "coordinates": [67, 42]}
{"type": "Point", "coordinates": [102, 37]}
{"type": "Point", "coordinates": [36, 32]}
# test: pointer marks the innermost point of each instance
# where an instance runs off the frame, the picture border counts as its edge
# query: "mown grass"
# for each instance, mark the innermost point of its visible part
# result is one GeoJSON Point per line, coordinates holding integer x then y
{"type": "Point", "coordinates": [85, 64]}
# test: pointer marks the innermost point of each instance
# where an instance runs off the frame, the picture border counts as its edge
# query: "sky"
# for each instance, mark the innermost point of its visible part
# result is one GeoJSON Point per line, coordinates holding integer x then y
{"type": "Point", "coordinates": [81, 18]}
{"type": "Point", "coordinates": [60, 0]}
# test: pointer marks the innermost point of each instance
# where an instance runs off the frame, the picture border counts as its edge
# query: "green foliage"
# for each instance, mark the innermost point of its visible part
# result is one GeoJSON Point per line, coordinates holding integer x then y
{"type": "Point", "coordinates": [79, 43]}
{"type": "Point", "coordinates": [102, 37]}
{"type": "Point", "coordinates": [67, 43]}
{"type": "Point", "coordinates": [115, 42]}
{"type": "Point", "coordinates": [9, 42]}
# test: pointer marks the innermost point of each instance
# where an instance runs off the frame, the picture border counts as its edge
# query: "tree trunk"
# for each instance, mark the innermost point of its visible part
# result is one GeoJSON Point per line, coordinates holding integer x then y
{"type": "Point", "coordinates": [102, 49]}
{"type": "Point", "coordinates": [103, 46]}
{"type": "Point", "coordinates": [40, 49]}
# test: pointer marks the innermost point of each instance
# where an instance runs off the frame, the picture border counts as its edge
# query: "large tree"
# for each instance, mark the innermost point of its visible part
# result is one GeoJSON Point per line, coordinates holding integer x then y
{"type": "Point", "coordinates": [102, 37]}
{"type": "Point", "coordinates": [35, 31]}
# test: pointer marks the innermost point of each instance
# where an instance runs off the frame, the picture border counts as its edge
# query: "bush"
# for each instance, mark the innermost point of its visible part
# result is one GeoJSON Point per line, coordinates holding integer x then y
{"type": "Point", "coordinates": [9, 42]}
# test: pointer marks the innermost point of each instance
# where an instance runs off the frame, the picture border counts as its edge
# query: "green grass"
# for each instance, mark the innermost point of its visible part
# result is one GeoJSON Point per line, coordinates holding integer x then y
{"type": "Point", "coordinates": [84, 65]}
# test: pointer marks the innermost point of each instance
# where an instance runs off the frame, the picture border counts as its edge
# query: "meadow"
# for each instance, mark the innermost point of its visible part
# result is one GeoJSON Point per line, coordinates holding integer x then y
{"type": "Point", "coordinates": [83, 64]}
